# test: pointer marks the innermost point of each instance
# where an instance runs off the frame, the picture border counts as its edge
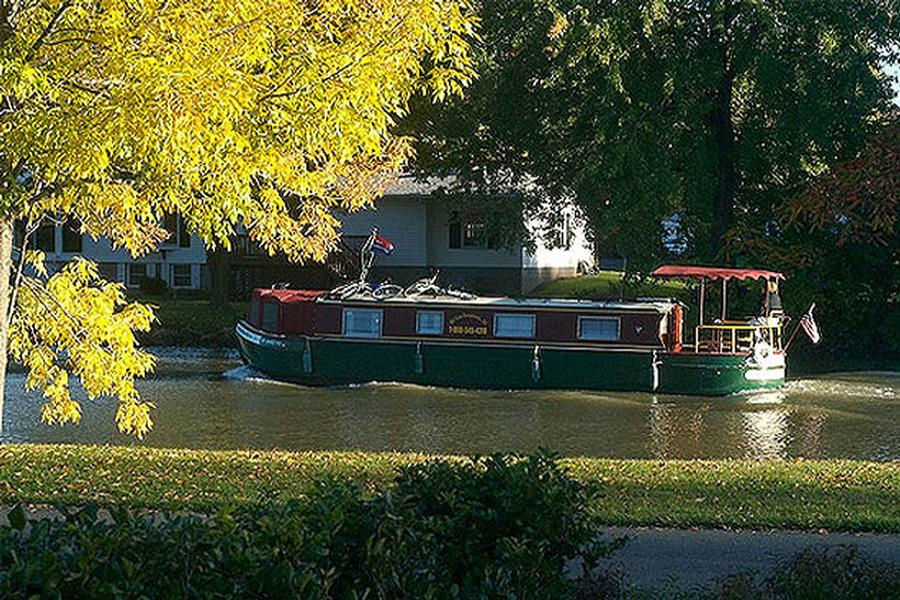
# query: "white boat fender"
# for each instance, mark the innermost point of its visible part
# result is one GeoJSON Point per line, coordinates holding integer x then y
{"type": "Point", "coordinates": [307, 357]}
{"type": "Point", "coordinates": [536, 364]}
{"type": "Point", "coordinates": [420, 362]}
{"type": "Point", "coordinates": [654, 365]}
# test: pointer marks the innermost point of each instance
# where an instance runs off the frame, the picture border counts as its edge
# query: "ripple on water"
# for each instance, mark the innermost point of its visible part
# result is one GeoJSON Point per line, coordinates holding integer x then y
{"type": "Point", "coordinates": [879, 386]}
{"type": "Point", "coordinates": [206, 399]}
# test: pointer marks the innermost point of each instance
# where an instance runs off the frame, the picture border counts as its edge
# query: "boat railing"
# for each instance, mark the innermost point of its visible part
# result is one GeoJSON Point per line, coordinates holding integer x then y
{"type": "Point", "coordinates": [736, 337]}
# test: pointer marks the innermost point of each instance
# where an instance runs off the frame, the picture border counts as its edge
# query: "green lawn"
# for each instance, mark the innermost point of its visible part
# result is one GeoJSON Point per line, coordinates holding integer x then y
{"type": "Point", "coordinates": [193, 323]}
{"type": "Point", "coordinates": [609, 284]}
{"type": "Point", "coordinates": [837, 495]}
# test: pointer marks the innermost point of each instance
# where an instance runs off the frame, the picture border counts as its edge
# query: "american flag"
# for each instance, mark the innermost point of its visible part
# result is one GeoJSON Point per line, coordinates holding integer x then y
{"type": "Point", "coordinates": [382, 244]}
{"type": "Point", "coordinates": [809, 325]}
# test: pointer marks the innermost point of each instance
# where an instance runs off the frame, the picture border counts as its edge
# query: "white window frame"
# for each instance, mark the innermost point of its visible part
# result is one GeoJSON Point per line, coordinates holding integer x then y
{"type": "Point", "coordinates": [618, 321]}
{"type": "Point", "coordinates": [129, 267]}
{"type": "Point", "coordinates": [420, 313]}
{"type": "Point", "coordinates": [374, 311]}
{"type": "Point", "coordinates": [190, 275]}
{"type": "Point", "coordinates": [498, 316]}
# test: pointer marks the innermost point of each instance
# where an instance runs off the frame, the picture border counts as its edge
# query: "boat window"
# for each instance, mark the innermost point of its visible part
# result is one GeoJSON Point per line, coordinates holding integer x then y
{"type": "Point", "coordinates": [253, 317]}
{"type": "Point", "coordinates": [599, 328]}
{"type": "Point", "coordinates": [429, 322]}
{"type": "Point", "coordinates": [270, 316]}
{"type": "Point", "coordinates": [513, 326]}
{"type": "Point", "coordinates": [362, 322]}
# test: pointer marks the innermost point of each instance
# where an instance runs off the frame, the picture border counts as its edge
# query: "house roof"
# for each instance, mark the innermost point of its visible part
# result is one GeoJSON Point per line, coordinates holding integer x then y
{"type": "Point", "coordinates": [411, 185]}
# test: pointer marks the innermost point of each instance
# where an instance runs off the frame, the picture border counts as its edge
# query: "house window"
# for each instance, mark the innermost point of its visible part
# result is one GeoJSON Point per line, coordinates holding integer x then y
{"type": "Point", "coordinates": [181, 276]}
{"type": "Point", "coordinates": [605, 329]}
{"type": "Point", "coordinates": [136, 272]}
{"type": "Point", "coordinates": [362, 322]}
{"type": "Point", "coordinates": [184, 236]}
{"type": "Point", "coordinates": [513, 326]}
{"type": "Point", "coordinates": [564, 232]}
{"type": "Point", "coordinates": [108, 271]}
{"type": "Point", "coordinates": [473, 235]}
{"type": "Point", "coordinates": [71, 237]}
{"type": "Point", "coordinates": [178, 233]}
{"type": "Point", "coordinates": [467, 234]}
{"type": "Point", "coordinates": [429, 322]}
{"type": "Point", "coordinates": [455, 235]}
{"type": "Point", "coordinates": [270, 316]}
{"type": "Point", "coordinates": [45, 238]}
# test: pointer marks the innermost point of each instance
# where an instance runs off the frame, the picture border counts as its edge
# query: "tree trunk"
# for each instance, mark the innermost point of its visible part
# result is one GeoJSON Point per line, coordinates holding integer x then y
{"type": "Point", "coordinates": [218, 264]}
{"type": "Point", "coordinates": [6, 244]}
{"type": "Point", "coordinates": [724, 140]}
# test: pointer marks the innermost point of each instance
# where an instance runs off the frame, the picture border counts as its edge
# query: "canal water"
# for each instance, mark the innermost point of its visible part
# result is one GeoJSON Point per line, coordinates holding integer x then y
{"type": "Point", "coordinates": [208, 400]}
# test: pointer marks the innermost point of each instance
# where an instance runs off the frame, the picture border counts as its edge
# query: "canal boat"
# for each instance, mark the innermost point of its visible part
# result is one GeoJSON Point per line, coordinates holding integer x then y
{"type": "Point", "coordinates": [428, 335]}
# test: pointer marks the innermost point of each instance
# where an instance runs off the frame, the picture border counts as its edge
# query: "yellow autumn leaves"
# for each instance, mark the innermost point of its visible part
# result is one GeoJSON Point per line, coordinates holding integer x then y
{"type": "Point", "coordinates": [269, 115]}
{"type": "Point", "coordinates": [75, 323]}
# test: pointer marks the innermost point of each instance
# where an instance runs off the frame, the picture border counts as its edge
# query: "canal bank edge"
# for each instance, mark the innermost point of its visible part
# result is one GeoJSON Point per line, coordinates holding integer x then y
{"type": "Point", "coordinates": [836, 495]}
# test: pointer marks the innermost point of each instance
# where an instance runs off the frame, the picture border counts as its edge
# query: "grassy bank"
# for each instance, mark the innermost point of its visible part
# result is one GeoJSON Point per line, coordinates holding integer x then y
{"type": "Point", "coordinates": [193, 323]}
{"type": "Point", "coordinates": [837, 495]}
{"type": "Point", "coordinates": [609, 284]}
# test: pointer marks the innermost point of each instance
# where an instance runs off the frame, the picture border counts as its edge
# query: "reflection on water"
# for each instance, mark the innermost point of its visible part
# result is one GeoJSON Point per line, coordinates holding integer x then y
{"type": "Point", "coordinates": [206, 400]}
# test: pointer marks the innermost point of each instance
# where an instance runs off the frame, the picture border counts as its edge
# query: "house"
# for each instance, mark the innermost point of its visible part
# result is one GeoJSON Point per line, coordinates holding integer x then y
{"type": "Point", "coordinates": [427, 232]}
{"type": "Point", "coordinates": [179, 262]}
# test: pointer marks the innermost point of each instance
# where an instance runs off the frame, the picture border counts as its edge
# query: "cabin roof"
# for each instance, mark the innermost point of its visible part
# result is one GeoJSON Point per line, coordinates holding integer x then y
{"type": "Point", "coordinates": [658, 305]}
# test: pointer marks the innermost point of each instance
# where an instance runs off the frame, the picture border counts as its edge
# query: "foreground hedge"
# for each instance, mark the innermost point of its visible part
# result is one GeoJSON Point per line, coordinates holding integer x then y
{"type": "Point", "coordinates": [838, 495]}
{"type": "Point", "coordinates": [496, 527]}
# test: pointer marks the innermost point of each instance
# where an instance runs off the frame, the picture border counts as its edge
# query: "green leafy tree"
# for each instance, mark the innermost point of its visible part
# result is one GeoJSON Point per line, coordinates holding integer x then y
{"type": "Point", "coordinates": [715, 111]}
{"type": "Point", "coordinates": [840, 239]}
{"type": "Point", "coordinates": [114, 114]}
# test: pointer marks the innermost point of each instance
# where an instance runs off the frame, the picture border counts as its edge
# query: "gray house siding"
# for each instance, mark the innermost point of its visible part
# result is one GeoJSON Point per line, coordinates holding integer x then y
{"type": "Point", "coordinates": [417, 224]}
{"type": "Point", "coordinates": [181, 267]}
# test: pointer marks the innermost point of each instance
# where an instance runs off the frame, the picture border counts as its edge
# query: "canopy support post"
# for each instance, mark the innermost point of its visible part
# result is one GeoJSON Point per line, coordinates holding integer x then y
{"type": "Point", "coordinates": [702, 298]}
{"type": "Point", "coordinates": [724, 297]}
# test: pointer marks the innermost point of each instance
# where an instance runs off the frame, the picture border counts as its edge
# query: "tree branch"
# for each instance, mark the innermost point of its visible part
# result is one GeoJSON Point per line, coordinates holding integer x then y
{"type": "Point", "coordinates": [382, 41]}
{"type": "Point", "coordinates": [47, 30]}
{"type": "Point", "coordinates": [30, 228]}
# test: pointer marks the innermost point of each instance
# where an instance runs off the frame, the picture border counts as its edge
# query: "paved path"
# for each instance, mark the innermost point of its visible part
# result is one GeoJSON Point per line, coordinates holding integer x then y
{"type": "Point", "coordinates": [653, 557]}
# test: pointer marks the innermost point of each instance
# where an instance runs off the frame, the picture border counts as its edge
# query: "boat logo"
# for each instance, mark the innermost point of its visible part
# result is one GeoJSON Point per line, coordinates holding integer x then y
{"type": "Point", "coordinates": [468, 324]}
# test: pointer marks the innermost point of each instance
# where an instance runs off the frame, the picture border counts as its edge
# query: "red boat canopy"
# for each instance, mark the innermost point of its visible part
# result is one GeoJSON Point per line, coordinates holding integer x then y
{"type": "Point", "coordinates": [714, 272]}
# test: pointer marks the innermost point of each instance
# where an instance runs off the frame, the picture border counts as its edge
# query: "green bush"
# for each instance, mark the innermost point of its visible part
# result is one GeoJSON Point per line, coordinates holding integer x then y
{"type": "Point", "coordinates": [826, 573]}
{"type": "Point", "coordinates": [153, 286]}
{"type": "Point", "coordinates": [498, 527]}
{"type": "Point", "coordinates": [839, 573]}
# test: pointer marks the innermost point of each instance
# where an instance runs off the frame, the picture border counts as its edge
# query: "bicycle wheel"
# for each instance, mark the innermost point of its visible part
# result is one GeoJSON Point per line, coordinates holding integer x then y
{"type": "Point", "coordinates": [385, 291]}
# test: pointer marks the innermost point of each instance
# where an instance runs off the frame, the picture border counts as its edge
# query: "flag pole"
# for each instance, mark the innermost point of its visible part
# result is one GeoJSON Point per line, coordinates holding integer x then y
{"type": "Point", "coordinates": [797, 327]}
{"type": "Point", "coordinates": [793, 335]}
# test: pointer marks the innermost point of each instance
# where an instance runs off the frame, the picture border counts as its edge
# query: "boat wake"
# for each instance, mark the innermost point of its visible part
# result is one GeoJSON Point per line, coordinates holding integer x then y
{"type": "Point", "coordinates": [251, 375]}
{"type": "Point", "coordinates": [889, 389]}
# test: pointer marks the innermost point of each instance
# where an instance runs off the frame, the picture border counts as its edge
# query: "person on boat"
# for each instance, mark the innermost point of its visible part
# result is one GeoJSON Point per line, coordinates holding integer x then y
{"type": "Point", "coordinates": [773, 307]}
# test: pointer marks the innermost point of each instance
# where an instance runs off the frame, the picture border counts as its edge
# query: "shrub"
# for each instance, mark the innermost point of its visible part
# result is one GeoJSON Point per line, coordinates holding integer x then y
{"type": "Point", "coordinates": [498, 527]}
{"type": "Point", "coordinates": [835, 573]}
{"type": "Point", "coordinates": [153, 286]}
{"type": "Point", "coordinates": [839, 573]}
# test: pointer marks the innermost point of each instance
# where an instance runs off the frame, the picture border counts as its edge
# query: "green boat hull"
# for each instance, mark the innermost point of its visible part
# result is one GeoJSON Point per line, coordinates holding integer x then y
{"type": "Point", "coordinates": [336, 361]}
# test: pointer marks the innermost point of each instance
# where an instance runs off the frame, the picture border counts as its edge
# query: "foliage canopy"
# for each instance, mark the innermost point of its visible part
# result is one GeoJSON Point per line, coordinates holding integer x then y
{"type": "Point", "coordinates": [265, 114]}
{"type": "Point", "coordinates": [672, 123]}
